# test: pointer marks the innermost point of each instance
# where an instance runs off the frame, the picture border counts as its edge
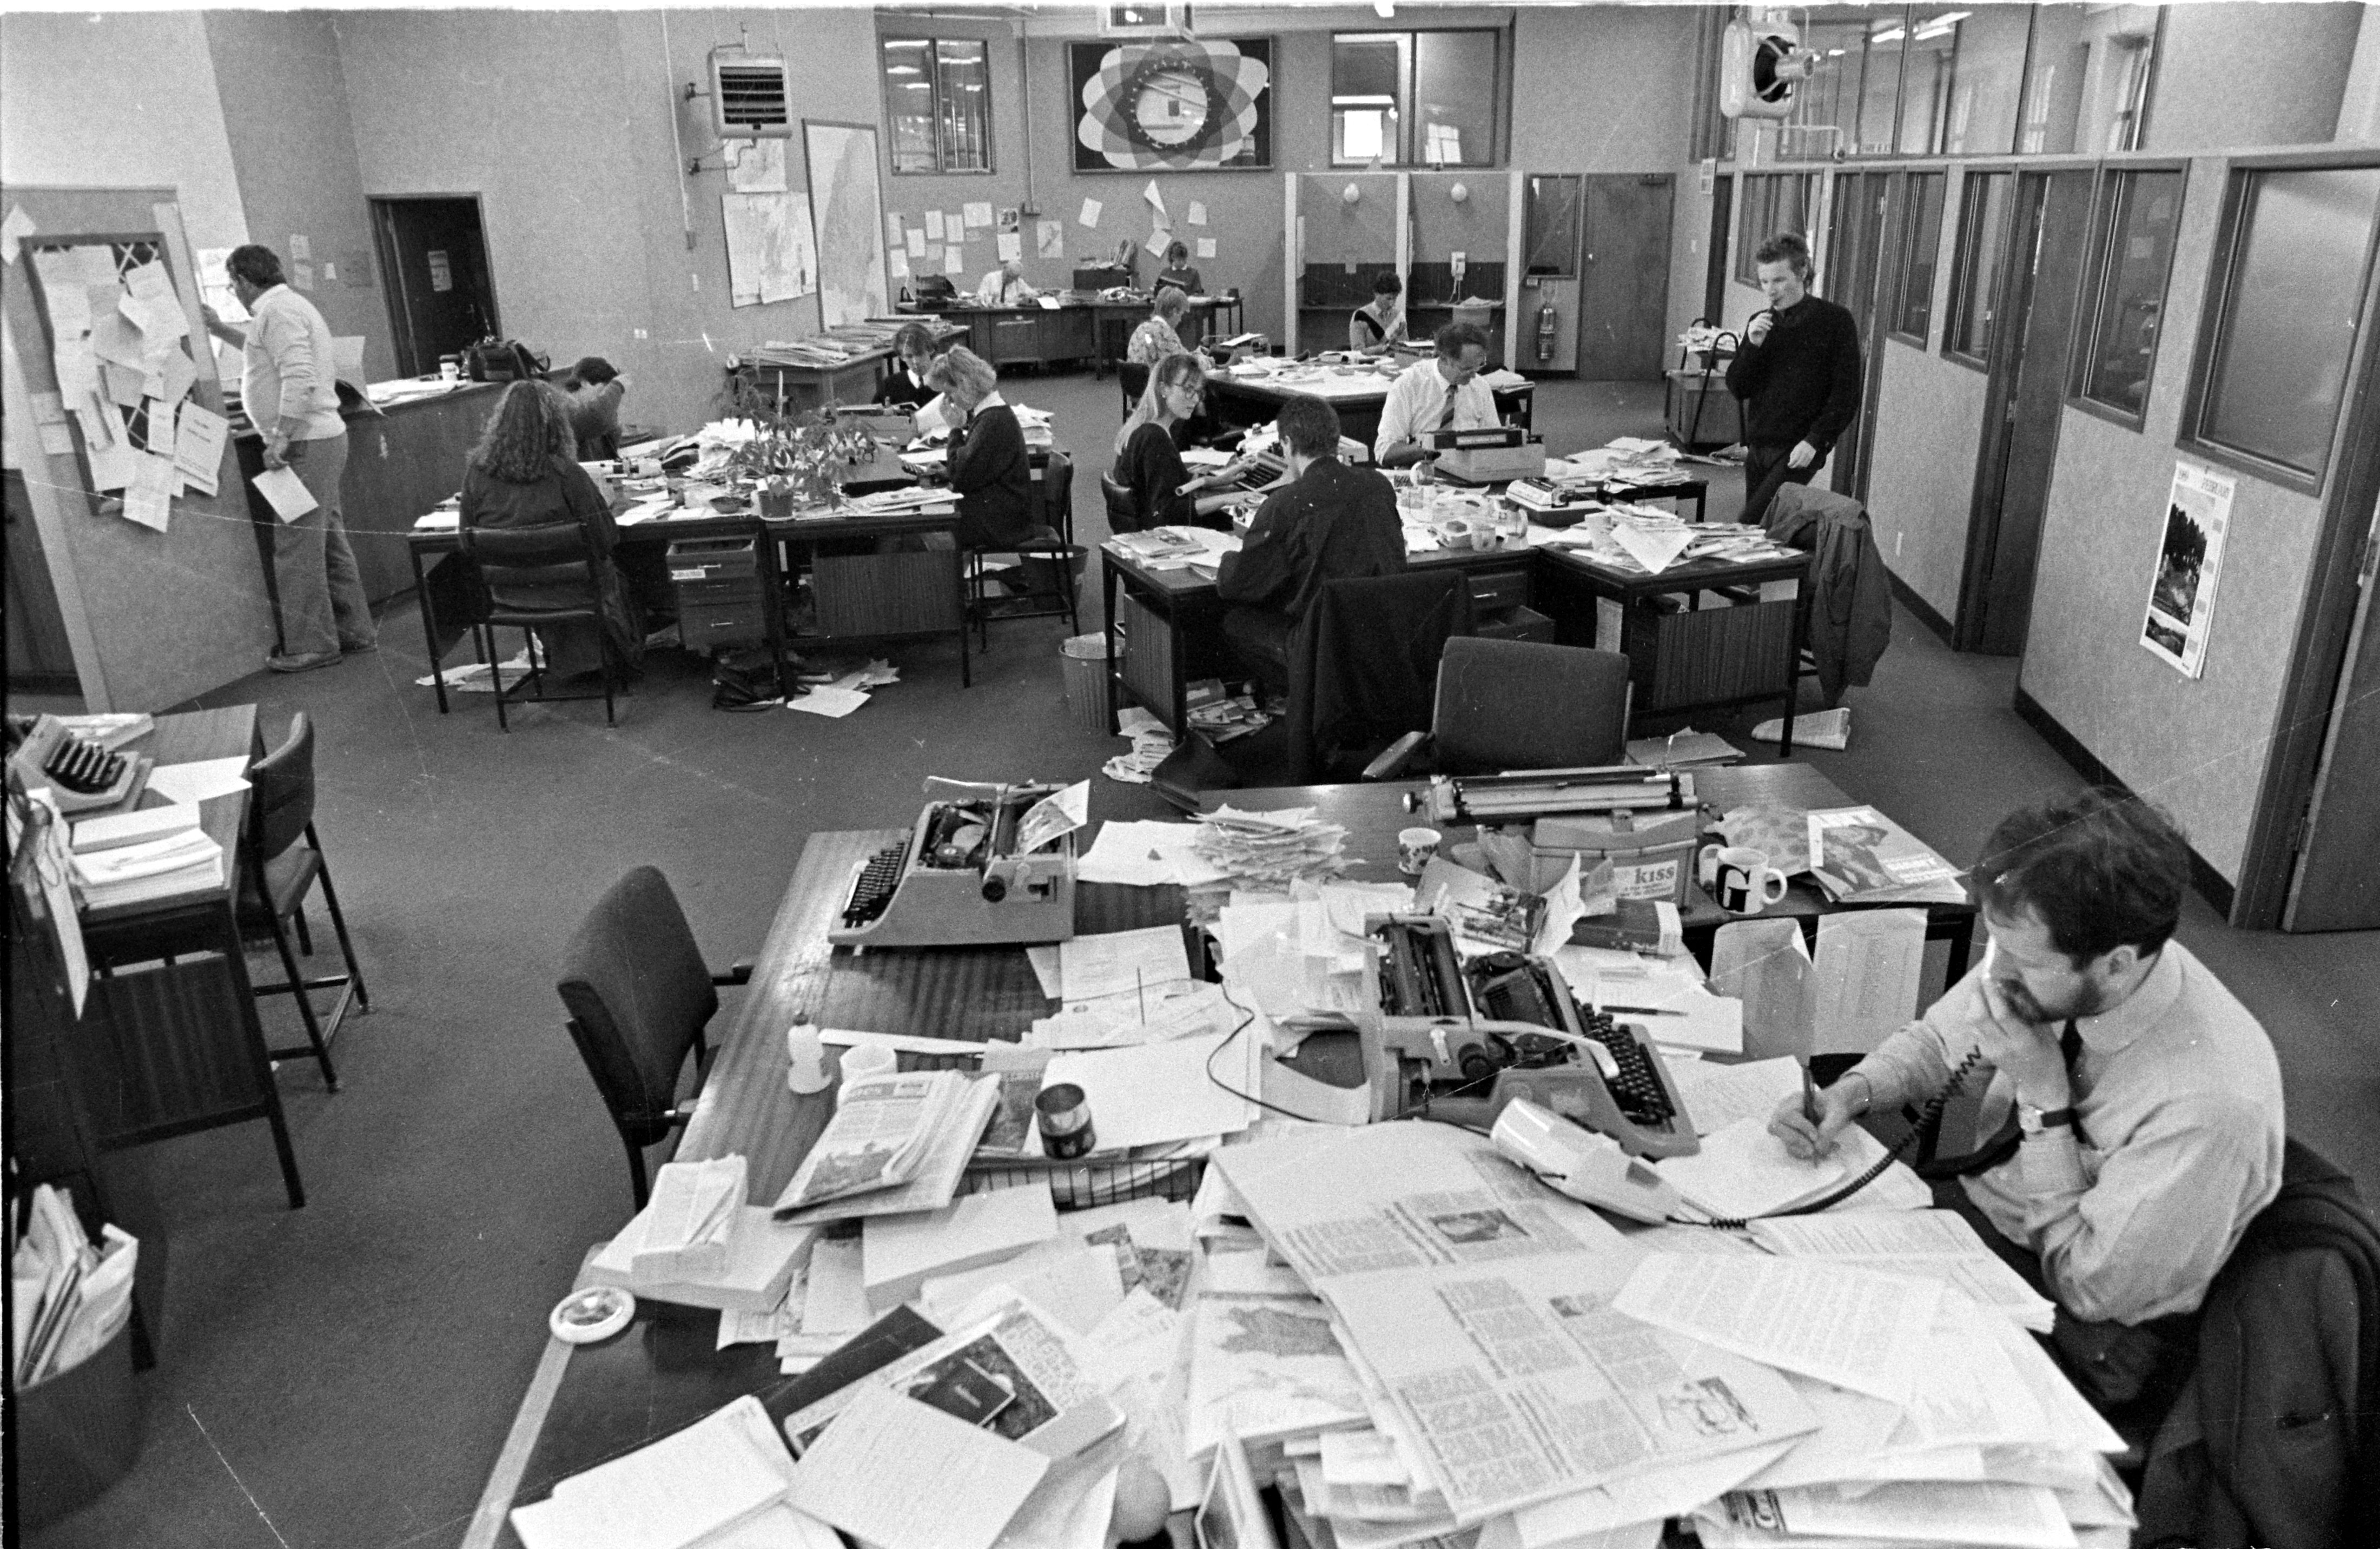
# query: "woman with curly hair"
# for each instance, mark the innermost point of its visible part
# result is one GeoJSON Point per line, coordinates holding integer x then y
{"type": "Point", "coordinates": [523, 475]}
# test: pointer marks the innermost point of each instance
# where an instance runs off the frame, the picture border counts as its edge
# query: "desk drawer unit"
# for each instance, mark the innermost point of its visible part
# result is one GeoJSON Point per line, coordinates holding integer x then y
{"type": "Point", "coordinates": [1493, 591]}
{"type": "Point", "coordinates": [718, 583]}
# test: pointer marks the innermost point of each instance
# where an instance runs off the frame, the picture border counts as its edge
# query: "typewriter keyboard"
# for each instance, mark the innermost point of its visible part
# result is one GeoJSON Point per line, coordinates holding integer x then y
{"type": "Point", "coordinates": [874, 887]}
{"type": "Point", "coordinates": [1638, 1091]}
{"type": "Point", "coordinates": [85, 768]}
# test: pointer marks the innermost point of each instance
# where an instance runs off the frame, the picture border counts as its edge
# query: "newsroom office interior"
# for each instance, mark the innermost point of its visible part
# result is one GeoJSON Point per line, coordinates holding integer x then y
{"type": "Point", "coordinates": [2017, 472]}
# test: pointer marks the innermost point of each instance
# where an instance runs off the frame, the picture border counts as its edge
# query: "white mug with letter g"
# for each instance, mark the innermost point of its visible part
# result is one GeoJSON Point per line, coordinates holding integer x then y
{"type": "Point", "coordinates": [1739, 878]}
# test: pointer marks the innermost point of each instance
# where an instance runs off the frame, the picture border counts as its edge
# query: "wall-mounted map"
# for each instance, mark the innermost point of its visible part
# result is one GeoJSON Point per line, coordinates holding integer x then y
{"type": "Point", "coordinates": [768, 253]}
{"type": "Point", "coordinates": [849, 208]}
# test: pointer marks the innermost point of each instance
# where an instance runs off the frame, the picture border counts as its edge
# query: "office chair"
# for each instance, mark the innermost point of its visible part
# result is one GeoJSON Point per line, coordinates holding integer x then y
{"type": "Point", "coordinates": [1123, 511]}
{"type": "Point", "coordinates": [639, 996]}
{"type": "Point", "coordinates": [1049, 561]}
{"type": "Point", "coordinates": [277, 872]}
{"type": "Point", "coordinates": [1133, 377]}
{"type": "Point", "coordinates": [535, 577]}
{"type": "Point", "coordinates": [1517, 705]}
{"type": "Point", "coordinates": [1363, 665]}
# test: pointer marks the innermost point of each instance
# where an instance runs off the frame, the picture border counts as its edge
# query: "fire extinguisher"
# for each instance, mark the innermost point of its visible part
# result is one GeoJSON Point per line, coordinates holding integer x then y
{"type": "Point", "coordinates": [1547, 319]}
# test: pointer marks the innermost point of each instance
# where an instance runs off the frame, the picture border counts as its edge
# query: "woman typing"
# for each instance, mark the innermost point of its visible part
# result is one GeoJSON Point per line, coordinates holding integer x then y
{"type": "Point", "coordinates": [1150, 463]}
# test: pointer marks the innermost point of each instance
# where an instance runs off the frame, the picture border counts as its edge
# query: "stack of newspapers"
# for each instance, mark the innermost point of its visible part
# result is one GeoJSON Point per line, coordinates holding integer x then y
{"type": "Point", "coordinates": [897, 1143]}
{"type": "Point", "coordinates": [1506, 1369]}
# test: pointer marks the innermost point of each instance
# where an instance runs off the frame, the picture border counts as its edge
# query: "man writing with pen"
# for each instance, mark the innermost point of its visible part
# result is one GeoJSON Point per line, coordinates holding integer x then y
{"type": "Point", "coordinates": [2139, 1103]}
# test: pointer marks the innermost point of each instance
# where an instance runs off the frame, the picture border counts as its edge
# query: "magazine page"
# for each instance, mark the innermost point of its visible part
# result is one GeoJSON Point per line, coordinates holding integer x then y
{"type": "Point", "coordinates": [1859, 856]}
{"type": "Point", "coordinates": [895, 1144]}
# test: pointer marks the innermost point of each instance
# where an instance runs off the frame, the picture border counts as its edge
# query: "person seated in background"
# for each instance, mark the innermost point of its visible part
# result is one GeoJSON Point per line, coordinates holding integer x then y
{"type": "Point", "coordinates": [595, 391]}
{"type": "Point", "coordinates": [1177, 271]}
{"type": "Point", "coordinates": [1160, 334]}
{"type": "Point", "coordinates": [988, 468]}
{"type": "Point", "coordinates": [1443, 392]}
{"type": "Point", "coordinates": [1005, 286]}
{"type": "Point", "coordinates": [524, 473]}
{"type": "Point", "coordinates": [1332, 523]}
{"type": "Point", "coordinates": [2144, 1119]}
{"type": "Point", "coordinates": [904, 382]}
{"type": "Point", "coordinates": [1148, 460]}
{"type": "Point", "coordinates": [1375, 329]}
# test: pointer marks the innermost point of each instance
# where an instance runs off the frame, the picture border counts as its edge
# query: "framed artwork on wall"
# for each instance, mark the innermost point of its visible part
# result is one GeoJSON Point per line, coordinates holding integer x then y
{"type": "Point", "coordinates": [1173, 105]}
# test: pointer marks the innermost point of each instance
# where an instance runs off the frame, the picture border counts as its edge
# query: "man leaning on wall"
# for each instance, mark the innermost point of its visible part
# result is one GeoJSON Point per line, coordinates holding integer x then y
{"type": "Point", "coordinates": [288, 387]}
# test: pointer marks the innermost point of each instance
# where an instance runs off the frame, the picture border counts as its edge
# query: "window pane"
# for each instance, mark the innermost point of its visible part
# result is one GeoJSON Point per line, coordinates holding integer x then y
{"type": "Point", "coordinates": [965, 88]}
{"type": "Point", "coordinates": [1983, 233]}
{"type": "Point", "coordinates": [2138, 254]}
{"type": "Point", "coordinates": [1454, 99]}
{"type": "Point", "coordinates": [1985, 85]}
{"type": "Point", "coordinates": [1925, 83]}
{"type": "Point", "coordinates": [1831, 95]}
{"type": "Point", "coordinates": [1552, 225]}
{"type": "Point", "coordinates": [1367, 82]}
{"type": "Point", "coordinates": [1880, 84]}
{"type": "Point", "coordinates": [2281, 359]}
{"type": "Point", "coordinates": [2087, 86]}
{"type": "Point", "coordinates": [909, 103]}
{"type": "Point", "coordinates": [1920, 240]}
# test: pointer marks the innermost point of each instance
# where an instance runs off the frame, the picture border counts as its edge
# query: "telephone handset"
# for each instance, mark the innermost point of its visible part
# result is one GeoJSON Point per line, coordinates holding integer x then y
{"type": "Point", "coordinates": [1588, 1167]}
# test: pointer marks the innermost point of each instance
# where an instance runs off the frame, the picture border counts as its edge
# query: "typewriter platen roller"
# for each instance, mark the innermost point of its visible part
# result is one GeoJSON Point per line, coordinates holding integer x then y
{"type": "Point", "coordinates": [968, 874]}
{"type": "Point", "coordinates": [1463, 1038]}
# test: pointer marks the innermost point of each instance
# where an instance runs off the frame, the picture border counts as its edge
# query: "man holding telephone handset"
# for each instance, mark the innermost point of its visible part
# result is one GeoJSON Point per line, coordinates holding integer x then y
{"type": "Point", "coordinates": [1798, 374]}
{"type": "Point", "coordinates": [2142, 1103]}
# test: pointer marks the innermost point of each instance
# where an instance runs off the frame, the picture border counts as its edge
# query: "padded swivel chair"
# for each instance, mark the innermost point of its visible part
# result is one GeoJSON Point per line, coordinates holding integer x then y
{"type": "Point", "coordinates": [1363, 666]}
{"type": "Point", "coordinates": [1123, 511]}
{"type": "Point", "coordinates": [639, 996]}
{"type": "Point", "coordinates": [1132, 376]}
{"type": "Point", "coordinates": [532, 578]}
{"type": "Point", "coordinates": [276, 872]}
{"type": "Point", "coordinates": [1517, 705]}
{"type": "Point", "coordinates": [1050, 563]}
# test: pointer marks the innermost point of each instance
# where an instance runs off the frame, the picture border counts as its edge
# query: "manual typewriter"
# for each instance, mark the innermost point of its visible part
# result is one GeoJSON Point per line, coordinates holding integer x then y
{"type": "Point", "coordinates": [961, 879]}
{"type": "Point", "coordinates": [1462, 1039]}
{"type": "Point", "coordinates": [82, 774]}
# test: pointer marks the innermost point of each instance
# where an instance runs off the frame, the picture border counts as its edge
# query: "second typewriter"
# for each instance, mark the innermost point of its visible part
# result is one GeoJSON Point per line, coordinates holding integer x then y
{"type": "Point", "coordinates": [984, 864]}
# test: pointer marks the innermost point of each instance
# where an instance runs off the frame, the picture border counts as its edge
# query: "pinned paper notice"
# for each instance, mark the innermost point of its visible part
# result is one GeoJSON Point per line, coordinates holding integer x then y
{"type": "Point", "coordinates": [1206, 246]}
{"type": "Point", "coordinates": [198, 446]}
{"type": "Point", "coordinates": [1050, 238]}
{"type": "Point", "coordinates": [1012, 245]}
{"type": "Point", "coordinates": [1198, 213]}
{"type": "Point", "coordinates": [978, 212]}
{"type": "Point", "coordinates": [1156, 201]}
{"type": "Point", "coordinates": [1158, 240]}
{"type": "Point", "coordinates": [916, 242]}
{"type": "Point", "coordinates": [160, 429]}
{"type": "Point", "coordinates": [933, 225]}
{"type": "Point", "coordinates": [150, 499]}
{"type": "Point", "coordinates": [1090, 215]}
{"type": "Point", "coordinates": [13, 232]}
{"type": "Point", "coordinates": [286, 492]}
{"type": "Point", "coordinates": [174, 378]}
{"type": "Point", "coordinates": [347, 358]}
{"type": "Point", "coordinates": [953, 260]}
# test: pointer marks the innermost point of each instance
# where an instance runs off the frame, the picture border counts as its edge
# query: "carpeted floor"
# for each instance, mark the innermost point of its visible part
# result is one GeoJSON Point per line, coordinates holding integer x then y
{"type": "Point", "coordinates": [342, 1377]}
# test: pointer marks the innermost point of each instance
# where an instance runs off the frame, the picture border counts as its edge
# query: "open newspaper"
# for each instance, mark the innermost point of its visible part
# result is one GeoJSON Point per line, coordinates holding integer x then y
{"type": "Point", "coordinates": [896, 1144]}
{"type": "Point", "coordinates": [1859, 856]}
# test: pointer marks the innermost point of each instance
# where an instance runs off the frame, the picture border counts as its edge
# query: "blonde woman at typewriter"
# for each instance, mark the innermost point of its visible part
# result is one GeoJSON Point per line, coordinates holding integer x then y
{"type": "Point", "coordinates": [1149, 462]}
{"type": "Point", "coordinates": [1159, 333]}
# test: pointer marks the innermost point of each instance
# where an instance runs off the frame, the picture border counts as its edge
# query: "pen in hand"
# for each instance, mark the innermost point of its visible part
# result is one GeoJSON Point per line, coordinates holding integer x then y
{"type": "Point", "coordinates": [1809, 1095]}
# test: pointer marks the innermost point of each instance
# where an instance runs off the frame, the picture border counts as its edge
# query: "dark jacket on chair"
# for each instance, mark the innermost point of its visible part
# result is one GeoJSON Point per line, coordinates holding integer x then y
{"type": "Point", "coordinates": [1850, 597]}
{"type": "Point", "coordinates": [1364, 666]}
{"type": "Point", "coordinates": [993, 478]}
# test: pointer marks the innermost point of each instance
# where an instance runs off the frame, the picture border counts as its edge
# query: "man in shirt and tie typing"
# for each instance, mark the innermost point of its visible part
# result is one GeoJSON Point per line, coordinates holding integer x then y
{"type": "Point", "coordinates": [1441, 394]}
{"type": "Point", "coordinates": [2140, 1103]}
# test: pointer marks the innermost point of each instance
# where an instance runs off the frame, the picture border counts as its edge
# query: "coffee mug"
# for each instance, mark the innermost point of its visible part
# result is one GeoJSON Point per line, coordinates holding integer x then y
{"type": "Point", "coordinates": [1415, 849]}
{"type": "Point", "coordinates": [1739, 878]}
{"type": "Point", "coordinates": [861, 1062]}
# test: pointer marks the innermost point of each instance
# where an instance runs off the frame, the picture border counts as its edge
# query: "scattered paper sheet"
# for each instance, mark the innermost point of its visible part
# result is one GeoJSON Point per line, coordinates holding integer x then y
{"type": "Point", "coordinates": [1158, 240]}
{"type": "Point", "coordinates": [1147, 856]}
{"type": "Point", "coordinates": [1743, 1171]}
{"type": "Point", "coordinates": [1721, 1095]}
{"type": "Point", "coordinates": [1090, 215]}
{"type": "Point", "coordinates": [683, 1488]}
{"type": "Point", "coordinates": [828, 701]}
{"type": "Point", "coordinates": [1845, 1326]}
{"type": "Point", "coordinates": [953, 260]}
{"type": "Point", "coordinates": [835, 1301]}
{"type": "Point", "coordinates": [1654, 551]}
{"type": "Point", "coordinates": [286, 492]}
{"type": "Point", "coordinates": [1150, 1093]}
{"type": "Point", "coordinates": [899, 1474]}
{"type": "Point", "coordinates": [201, 781]}
{"type": "Point", "coordinates": [1122, 963]}
{"type": "Point", "coordinates": [1869, 965]}
{"type": "Point", "coordinates": [174, 378]}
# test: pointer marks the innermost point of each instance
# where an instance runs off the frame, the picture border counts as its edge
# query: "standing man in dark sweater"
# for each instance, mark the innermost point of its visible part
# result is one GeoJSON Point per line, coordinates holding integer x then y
{"type": "Point", "coordinates": [1333, 523]}
{"type": "Point", "coordinates": [1798, 375]}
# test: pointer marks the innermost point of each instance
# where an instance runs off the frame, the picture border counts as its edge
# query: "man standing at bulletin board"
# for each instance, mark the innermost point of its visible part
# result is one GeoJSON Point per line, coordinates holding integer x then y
{"type": "Point", "coordinates": [286, 386]}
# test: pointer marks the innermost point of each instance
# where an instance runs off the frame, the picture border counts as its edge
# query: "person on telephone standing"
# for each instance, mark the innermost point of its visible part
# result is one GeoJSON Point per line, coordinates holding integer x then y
{"type": "Point", "coordinates": [1443, 392]}
{"type": "Point", "coordinates": [2142, 1126]}
{"type": "Point", "coordinates": [1177, 271]}
{"type": "Point", "coordinates": [1798, 375]}
{"type": "Point", "coordinates": [1332, 523]}
{"type": "Point", "coordinates": [286, 388]}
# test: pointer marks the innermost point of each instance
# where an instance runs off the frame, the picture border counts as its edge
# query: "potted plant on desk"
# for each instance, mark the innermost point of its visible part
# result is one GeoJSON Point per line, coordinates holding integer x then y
{"type": "Point", "coordinates": [797, 460]}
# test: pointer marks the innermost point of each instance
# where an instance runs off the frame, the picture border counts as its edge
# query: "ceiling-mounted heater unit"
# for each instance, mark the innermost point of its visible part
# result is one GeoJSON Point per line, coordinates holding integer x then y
{"type": "Point", "coordinates": [750, 98]}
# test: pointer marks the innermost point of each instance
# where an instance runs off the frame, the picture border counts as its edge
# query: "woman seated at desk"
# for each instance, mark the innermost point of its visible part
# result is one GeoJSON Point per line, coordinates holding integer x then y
{"type": "Point", "coordinates": [1149, 461]}
{"type": "Point", "coordinates": [1379, 327]}
{"type": "Point", "coordinates": [989, 468]}
{"type": "Point", "coordinates": [1160, 335]}
{"type": "Point", "coordinates": [1177, 271]}
{"type": "Point", "coordinates": [912, 355]}
{"type": "Point", "coordinates": [595, 390]}
{"type": "Point", "coordinates": [524, 473]}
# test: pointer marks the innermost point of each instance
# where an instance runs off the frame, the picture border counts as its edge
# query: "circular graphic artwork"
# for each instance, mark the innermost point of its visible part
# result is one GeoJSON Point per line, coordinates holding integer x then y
{"type": "Point", "coordinates": [1174, 105]}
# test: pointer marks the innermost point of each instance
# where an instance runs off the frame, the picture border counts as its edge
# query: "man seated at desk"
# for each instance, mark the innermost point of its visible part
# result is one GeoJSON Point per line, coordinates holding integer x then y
{"type": "Point", "coordinates": [2146, 1129]}
{"type": "Point", "coordinates": [595, 390]}
{"type": "Point", "coordinates": [1006, 286]}
{"type": "Point", "coordinates": [1440, 393]}
{"type": "Point", "coordinates": [1332, 523]}
{"type": "Point", "coordinates": [903, 387]}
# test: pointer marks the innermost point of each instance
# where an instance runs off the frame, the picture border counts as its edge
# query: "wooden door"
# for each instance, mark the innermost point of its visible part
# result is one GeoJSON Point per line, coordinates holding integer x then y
{"type": "Point", "coordinates": [2050, 228]}
{"type": "Point", "coordinates": [2337, 882]}
{"type": "Point", "coordinates": [1857, 259]}
{"type": "Point", "coordinates": [1623, 288]}
{"type": "Point", "coordinates": [441, 296]}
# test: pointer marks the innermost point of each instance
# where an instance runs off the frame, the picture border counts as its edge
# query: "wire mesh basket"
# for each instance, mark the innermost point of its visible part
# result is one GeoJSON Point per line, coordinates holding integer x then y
{"type": "Point", "coordinates": [1083, 1185]}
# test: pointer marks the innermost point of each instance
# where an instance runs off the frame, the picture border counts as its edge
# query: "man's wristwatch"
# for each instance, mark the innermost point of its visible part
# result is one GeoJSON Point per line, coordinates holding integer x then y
{"type": "Point", "coordinates": [2030, 1120]}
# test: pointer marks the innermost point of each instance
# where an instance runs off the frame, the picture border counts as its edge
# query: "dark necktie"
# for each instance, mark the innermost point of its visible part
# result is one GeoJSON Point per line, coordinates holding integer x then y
{"type": "Point", "coordinates": [1446, 420]}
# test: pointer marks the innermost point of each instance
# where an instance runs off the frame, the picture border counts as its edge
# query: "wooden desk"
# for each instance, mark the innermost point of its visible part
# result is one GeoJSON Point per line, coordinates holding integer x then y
{"type": "Point", "coordinates": [1031, 334]}
{"type": "Point", "coordinates": [170, 1042]}
{"type": "Point", "coordinates": [1242, 401]}
{"type": "Point", "coordinates": [1691, 660]}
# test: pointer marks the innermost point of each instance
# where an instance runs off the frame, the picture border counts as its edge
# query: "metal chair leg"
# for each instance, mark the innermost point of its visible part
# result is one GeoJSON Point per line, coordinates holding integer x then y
{"type": "Point", "coordinates": [339, 928]}
{"type": "Point", "coordinates": [495, 671]}
{"type": "Point", "coordinates": [298, 991]}
{"type": "Point", "coordinates": [305, 937]}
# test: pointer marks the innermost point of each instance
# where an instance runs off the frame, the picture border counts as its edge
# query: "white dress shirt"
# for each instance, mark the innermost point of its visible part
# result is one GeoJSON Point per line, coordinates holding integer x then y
{"type": "Point", "coordinates": [1417, 403]}
{"type": "Point", "coordinates": [1000, 289]}
{"type": "Point", "coordinates": [287, 369]}
{"type": "Point", "coordinates": [2178, 1099]}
